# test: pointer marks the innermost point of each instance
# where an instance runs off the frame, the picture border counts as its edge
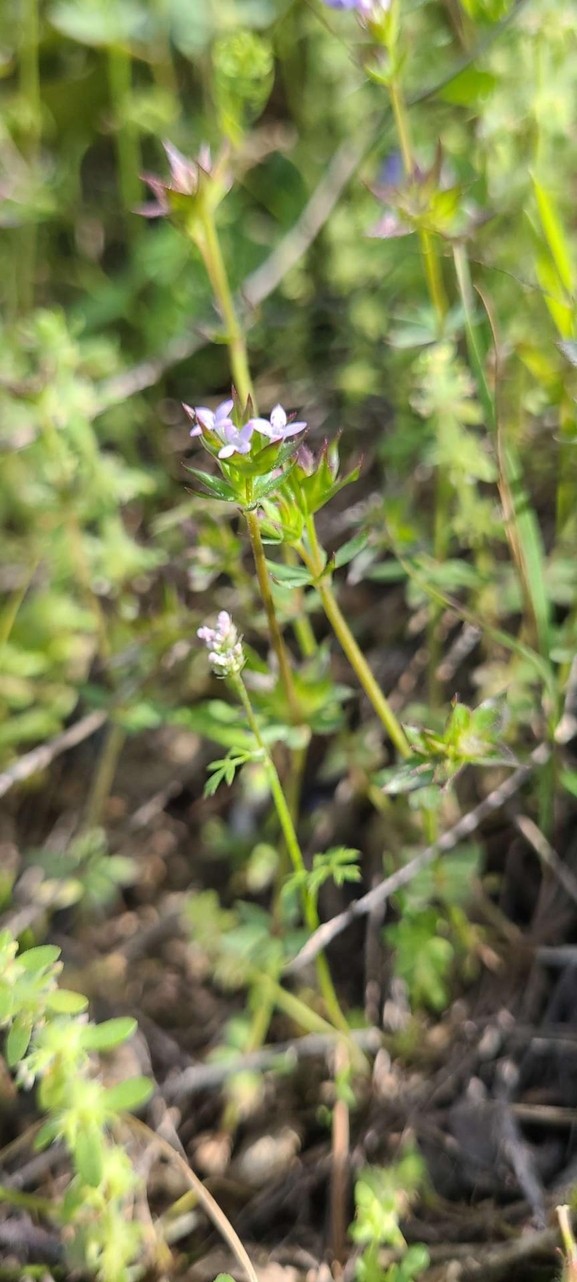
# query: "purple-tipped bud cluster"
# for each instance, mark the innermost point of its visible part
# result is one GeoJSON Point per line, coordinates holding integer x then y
{"type": "Point", "coordinates": [225, 652]}
{"type": "Point", "coordinates": [237, 440]}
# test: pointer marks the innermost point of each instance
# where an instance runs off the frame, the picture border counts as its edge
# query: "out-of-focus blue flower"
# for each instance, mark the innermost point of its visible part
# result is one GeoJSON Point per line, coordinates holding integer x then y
{"type": "Point", "coordinates": [279, 427]}
{"type": "Point", "coordinates": [234, 440]}
{"type": "Point", "coordinates": [362, 6]}
{"type": "Point", "coordinates": [368, 9]}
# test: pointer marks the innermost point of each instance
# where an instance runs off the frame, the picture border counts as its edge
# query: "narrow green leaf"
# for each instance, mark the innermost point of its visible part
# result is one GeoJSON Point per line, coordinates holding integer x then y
{"type": "Point", "coordinates": [531, 548]}
{"type": "Point", "coordinates": [36, 959]}
{"type": "Point", "coordinates": [214, 485]}
{"type": "Point", "coordinates": [18, 1041]}
{"type": "Point", "coordinates": [290, 576]}
{"type": "Point", "coordinates": [88, 1156]}
{"type": "Point", "coordinates": [350, 549]}
{"type": "Point", "coordinates": [554, 235]}
{"type": "Point", "coordinates": [128, 1095]}
{"type": "Point", "coordinates": [102, 1037]}
{"type": "Point", "coordinates": [568, 779]}
{"type": "Point", "coordinates": [62, 1001]}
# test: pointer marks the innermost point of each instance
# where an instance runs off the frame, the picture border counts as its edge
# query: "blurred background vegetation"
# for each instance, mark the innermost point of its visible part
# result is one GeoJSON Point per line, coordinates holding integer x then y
{"type": "Point", "coordinates": [464, 516]}
{"type": "Point", "coordinates": [108, 323]}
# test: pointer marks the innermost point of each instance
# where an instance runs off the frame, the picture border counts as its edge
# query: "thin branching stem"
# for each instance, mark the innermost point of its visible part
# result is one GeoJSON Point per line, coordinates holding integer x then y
{"type": "Point", "coordinates": [313, 557]}
{"type": "Point", "coordinates": [296, 856]}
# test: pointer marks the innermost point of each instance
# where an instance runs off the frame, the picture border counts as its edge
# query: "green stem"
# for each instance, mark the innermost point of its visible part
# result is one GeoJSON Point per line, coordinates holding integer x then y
{"type": "Point", "coordinates": [302, 1014]}
{"type": "Point", "coordinates": [104, 776]}
{"type": "Point", "coordinates": [217, 274]}
{"type": "Point", "coordinates": [356, 658]}
{"type": "Point", "coordinates": [440, 306]}
{"type": "Point", "coordinates": [296, 856]}
{"type": "Point", "coordinates": [566, 482]}
{"type": "Point", "coordinates": [30, 90]}
{"type": "Point", "coordinates": [428, 249]}
{"type": "Point", "coordinates": [127, 146]}
{"type": "Point", "coordinates": [301, 622]}
{"type": "Point", "coordinates": [10, 613]}
{"type": "Point", "coordinates": [28, 1201]}
{"type": "Point", "coordinates": [276, 636]}
{"type": "Point", "coordinates": [434, 278]}
{"type": "Point", "coordinates": [463, 275]}
{"type": "Point", "coordinates": [402, 124]}
{"type": "Point", "coordinates": [442, 533]}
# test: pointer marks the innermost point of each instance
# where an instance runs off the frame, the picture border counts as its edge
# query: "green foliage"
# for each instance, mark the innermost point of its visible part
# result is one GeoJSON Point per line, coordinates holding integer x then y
{"type": "Point", "coordinates": [339, 865]}
{"type": "Point", "coordinates": [49, 1042]}
{"type": "Point", "coordinates": [441, 341]}
{"type": "Point", "coordinates": [225, 769]}
{"type": "Point", "coordinates": [470, 736]}
{"type": "Point", "coordinates": [243, 73]}
{"type": "Point", "coordinates": [383, 1196]}
{"type": "Point", "coordinates": [85, 872]}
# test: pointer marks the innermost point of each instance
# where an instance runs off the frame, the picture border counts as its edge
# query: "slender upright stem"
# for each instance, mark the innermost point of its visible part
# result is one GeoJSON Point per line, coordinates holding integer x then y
{"type": "Point", "coordinates": [30, 90]}
{"type": "Point", "coordinates": [103, 778]}
{"type": "Point", "coordinates": [402, 124]}
{"type": "Point", "coordinates": [127, 146]}
{"type": "Point", "coordinates": [217, 274]}
{"type": "Point", "coordinates": [354, 654]}
{"type": "Point", "coordinates": [438, 297]}
{"type": "Point", "coordinates": [276, 636]}
{"type": "Point", "coordinates": [567, 464]}
{"type": "Point", "coordinates": [428, 250]}
{"type": "Point", "coordinates": [296, 856]}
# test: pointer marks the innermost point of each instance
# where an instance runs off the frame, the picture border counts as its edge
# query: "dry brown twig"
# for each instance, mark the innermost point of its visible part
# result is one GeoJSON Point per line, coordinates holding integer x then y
{"type": "Point", "coordinates": [206, 1200]}
{"type": "Point", "coordinates": [40, 758]}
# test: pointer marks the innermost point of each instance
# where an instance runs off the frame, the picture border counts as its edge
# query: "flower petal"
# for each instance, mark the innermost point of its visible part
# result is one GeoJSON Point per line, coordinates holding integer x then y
{"type": "Point", "coordinates": [226, 451]}
{"type": "Point", "coordinates": [184, 172]}
{"type": "Point", "coordinates": [223, 410]}
{"type": "Point", "coordinates": [205, 417]}
{"type": "Point", "coordinates": [291, 429]}
{"type": "Point", "coordinates": [278, 418]}
{"type": "Point", "coordinates": [260, 425]}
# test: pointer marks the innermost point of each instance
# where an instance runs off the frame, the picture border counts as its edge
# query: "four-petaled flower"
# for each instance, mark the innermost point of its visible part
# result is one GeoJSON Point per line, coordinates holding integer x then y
{"type": "Point", "coordinates": [225, 652]}
{"type": "Point", "coordinates": [234, 440]}
{"type": "Point", "coordinates": [185, 178]}
{"type": "Point", "coordinates": [279, 427]}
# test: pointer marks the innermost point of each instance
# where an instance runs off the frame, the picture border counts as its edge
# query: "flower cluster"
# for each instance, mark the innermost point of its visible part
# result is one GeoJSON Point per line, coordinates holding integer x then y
{"type": "Point", "coordinates": [237, 440]}
{"type": "Point", "coordinates": [225, 652]}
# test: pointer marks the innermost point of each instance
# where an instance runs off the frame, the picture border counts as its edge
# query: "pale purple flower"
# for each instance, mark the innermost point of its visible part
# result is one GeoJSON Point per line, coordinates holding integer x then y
{"type": "Point", "coordinates": [218, 421]}
{"type": "Point", "coordinates": [225, 652]}
{"type": "Point", "coordinates": [279, 427]}
{"type": "Point", "coordinates": [362, 6]}
{"type": "Point", "coordinates": [367, 8]}
{"type": "Point", "coordinates": [236, 440]}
